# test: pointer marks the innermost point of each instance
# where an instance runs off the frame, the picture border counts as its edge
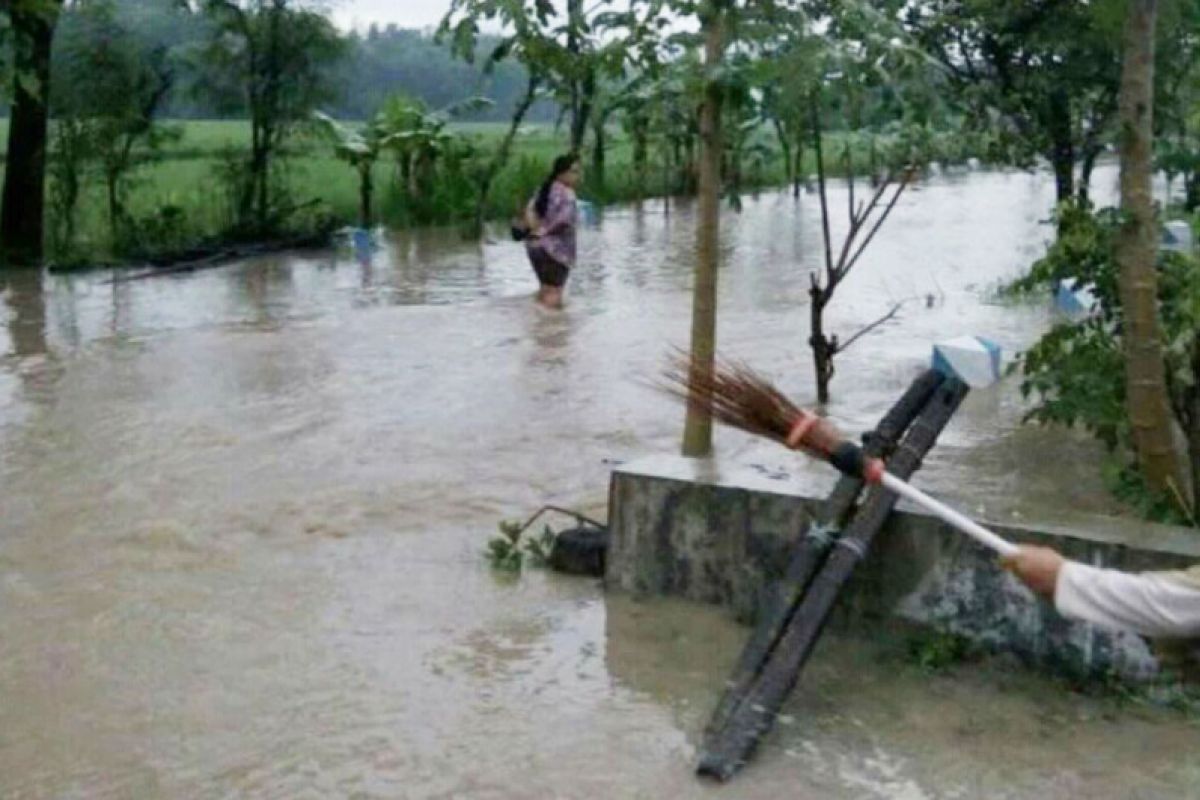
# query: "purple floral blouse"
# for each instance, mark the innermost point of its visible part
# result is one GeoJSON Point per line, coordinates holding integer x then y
{"type": "Point", "coordinates": [558, 226]}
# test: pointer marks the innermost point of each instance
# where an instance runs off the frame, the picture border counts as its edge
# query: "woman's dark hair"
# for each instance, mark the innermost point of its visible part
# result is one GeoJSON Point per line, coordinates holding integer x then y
{"type": "Point", "coordinates": [561, 164]}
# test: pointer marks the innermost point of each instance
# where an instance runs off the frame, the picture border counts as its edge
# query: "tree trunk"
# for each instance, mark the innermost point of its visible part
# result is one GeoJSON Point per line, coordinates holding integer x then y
{"type": "Point", "coordinates": [253, 215]}
{"type": "Point", "coordinates": [114, 209]}
{"type": "Point", "coordinates": [681, 161]}
{"type": "Point", "coordinates": [583, 89]}
{"type": "Point", "coordinates": [873, 162]}
{"type": "Point", "coordinates": [253, 204]}
{"type": "Point", "coordinates": [1083, 189]}
{"type": "Point", "coordinates": [23, 210]}
{"type": "Point", "coordinates": [1136, 242]}
{"type": "Point", "coordinates": [501, 158]}
{"type": "Point", "coordinates": [785, 147]}
{"type": "Point", "coordinates": [697, 434]}
{"type": "Point", "coordinates": [406, 171]}
{"type": "Point", "coordinates": [1191, 190]}
{"type": "Point", "coordinates": [263, 203]}
{"type": "Point", "coordinates": [688, 165]}
{"type": "Point", "coordinates": [821, 349]}
{"type": "Point", "coordinates": [734, 175]}
{"type": "Point", "coordinates": [1062, 146]}
{"type": "Point", "coordinates": [1194, 425]}
{"type": "Point", "coordinates": [668, 171]}
{"type": "Point", "coordinates": [365, 188]}
{"type": "Point", "coordinates": [599, 143]}
{"type": "Point", "coordinates": [798, 176]}
{"type": "Point", "coordinates": [583, 112]}
{"type": "Point", "coordinates": [271, 90]}
{"type": "Point", "coordinates": [65, 186]}
{"type": "Point", "coordinates": [640, 157]}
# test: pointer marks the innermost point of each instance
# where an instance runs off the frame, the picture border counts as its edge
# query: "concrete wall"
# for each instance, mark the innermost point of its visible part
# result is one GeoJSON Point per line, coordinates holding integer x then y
{"type": "Point", "coordinates": [717, 533]}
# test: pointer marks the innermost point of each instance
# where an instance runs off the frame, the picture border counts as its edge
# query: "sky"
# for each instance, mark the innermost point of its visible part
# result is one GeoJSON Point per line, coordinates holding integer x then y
{"type": "Point", "coordinates": [405, 13]}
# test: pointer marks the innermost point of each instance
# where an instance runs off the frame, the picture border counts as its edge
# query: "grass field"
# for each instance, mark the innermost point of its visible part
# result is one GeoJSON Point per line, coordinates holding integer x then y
{"type": "Point", "coordinates": [182, 197]}
{"type": "Point", "coordinates": [187, 178]}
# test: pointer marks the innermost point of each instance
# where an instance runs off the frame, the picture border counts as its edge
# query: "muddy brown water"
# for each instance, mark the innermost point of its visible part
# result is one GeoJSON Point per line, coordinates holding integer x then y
{"type": "Point", "coordinates": [243, 513]}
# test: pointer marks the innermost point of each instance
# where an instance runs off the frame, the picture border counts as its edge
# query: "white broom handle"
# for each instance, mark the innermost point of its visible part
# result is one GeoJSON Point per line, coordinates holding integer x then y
{"type": "Point", "coordinates": [948, 514]}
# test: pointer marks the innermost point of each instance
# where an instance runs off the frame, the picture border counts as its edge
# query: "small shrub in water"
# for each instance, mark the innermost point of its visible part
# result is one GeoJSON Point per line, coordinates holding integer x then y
{"type": "Point", "coordinates": [507, 553]}
{"type": "Point", "coordinates": [538, 549]}
{"type": "Point", "coordinates": [504, 551]}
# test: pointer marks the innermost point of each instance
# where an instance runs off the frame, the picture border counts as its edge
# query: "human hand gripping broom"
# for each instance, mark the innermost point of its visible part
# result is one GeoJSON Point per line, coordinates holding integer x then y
{"type": "Point", "coordinates": [735, 395]}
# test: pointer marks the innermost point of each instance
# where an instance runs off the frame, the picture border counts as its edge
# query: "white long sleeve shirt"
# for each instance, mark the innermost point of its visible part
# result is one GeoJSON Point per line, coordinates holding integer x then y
{"type": "Point", "coordinates": [1157, 604]}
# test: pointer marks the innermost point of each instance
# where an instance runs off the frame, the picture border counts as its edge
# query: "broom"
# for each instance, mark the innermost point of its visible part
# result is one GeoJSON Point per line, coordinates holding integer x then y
{"type": "Point", "coordinates": [736, 395]}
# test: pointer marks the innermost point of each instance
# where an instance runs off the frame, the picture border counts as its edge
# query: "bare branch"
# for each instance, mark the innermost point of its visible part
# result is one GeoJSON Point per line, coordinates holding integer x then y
{"type": "Point", "coordinates": [568, 512]}
{"type": "Point", "coordinates": [846, 157]}
{"type": "Point", "coordinates": [846, 345]}
{"type": "Point", "coordinates": [816, 124]}
{"type": "Point", "coordinates": [856, 223]}
{"type": "Point", "coordinates": [882, 218]}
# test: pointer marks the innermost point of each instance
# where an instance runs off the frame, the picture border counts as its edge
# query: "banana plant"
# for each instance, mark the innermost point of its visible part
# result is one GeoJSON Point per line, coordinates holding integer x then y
{"type": "Point", "coordinates": [360, 149]}
{"type": "Point", "coordinates": [419, 139]}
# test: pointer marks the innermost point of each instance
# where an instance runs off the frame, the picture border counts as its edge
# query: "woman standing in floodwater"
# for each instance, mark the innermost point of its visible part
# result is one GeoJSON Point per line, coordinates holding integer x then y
{"type": "Point", "coordinates": [551, 219]}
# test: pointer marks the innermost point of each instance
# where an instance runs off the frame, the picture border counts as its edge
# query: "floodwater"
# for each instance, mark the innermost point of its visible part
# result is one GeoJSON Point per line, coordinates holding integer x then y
{"type": "Point", "coordinates": [242, 515]}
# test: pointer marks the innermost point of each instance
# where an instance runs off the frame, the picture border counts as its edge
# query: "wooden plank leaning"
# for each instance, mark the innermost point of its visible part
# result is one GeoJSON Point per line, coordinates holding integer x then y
{"type": "Point", "coordinates": [781, 597]}
{"type": "Point", "coordinates": [727, 749]}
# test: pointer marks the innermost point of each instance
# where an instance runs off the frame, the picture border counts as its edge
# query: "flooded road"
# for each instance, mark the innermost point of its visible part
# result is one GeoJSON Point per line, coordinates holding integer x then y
{"type": "Point", "coordinates": [243, 514]}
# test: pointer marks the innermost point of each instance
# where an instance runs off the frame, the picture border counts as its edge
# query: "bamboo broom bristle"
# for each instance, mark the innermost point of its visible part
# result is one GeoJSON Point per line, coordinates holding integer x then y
{"type": "Point", "coordinates": [731, 393]}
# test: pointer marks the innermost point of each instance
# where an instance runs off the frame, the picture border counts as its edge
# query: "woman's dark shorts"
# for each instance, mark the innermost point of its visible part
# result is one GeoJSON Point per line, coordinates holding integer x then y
{"type": "Point", "coordinates": [550, 272]}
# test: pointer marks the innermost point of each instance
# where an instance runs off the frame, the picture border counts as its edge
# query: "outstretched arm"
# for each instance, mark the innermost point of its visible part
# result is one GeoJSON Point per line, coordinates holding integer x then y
{"type": "Point", "coordinates": [1151, 603]}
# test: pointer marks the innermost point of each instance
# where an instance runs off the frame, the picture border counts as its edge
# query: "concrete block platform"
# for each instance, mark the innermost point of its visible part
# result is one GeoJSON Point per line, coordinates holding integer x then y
{"type": "Point", "coordinates": [718, 532]}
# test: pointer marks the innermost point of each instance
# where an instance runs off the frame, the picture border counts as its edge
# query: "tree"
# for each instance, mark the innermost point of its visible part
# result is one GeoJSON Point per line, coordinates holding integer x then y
{"type": "Point", "coordinates": [636, 114]}
{"type": "Point", "coordinates": [270, 59]}
{"type": "Point", "coordinates": [524, 40]}
{"type": "Point", "coordinates": [563, 51]}
{"type": "Point", "coordinates": [579, 71]}
{"type": "Point", "coordinates": [697, 432]}
{"type": "Point", "coordinates": [790, 74]}
{"type": "Point", "coordinates": [32, 25]}
{"type": "Point", "coordinates": [865, 219]}
{"type": "Point", "coordinates": [107, 90]}
{"type": "Point", "coordinates": [1177, 98]}
{"type": "Point", "coordinates": [1146, 388]}
{"type": "Point", "coordinates": [1048, 69]}
{"type": "Point", "coordinates": [630, 98]}
{"type": "Point", "coordinates": [418, 139]}
{"type": "Point", "coordinates": [1076, 370]}
{"type": "Point", "coordinates": [394, 60]}
{"type": "Point", "coordinates": [720, 23]}
{"type": "Point", "coordinates": [360, 149]}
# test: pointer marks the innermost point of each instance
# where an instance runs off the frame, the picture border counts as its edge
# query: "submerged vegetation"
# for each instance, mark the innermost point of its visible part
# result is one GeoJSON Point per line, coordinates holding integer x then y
{"type": "Point", "coordinates": [510, 550]}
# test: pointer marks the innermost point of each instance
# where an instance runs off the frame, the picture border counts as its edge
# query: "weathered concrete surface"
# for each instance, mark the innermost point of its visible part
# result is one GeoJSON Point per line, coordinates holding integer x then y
{"type": "Point", "coordinates": [718, 533]}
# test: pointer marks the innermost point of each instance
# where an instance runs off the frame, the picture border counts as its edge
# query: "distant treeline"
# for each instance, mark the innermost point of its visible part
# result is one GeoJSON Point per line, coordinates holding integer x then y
{"type": "Point", "coordinates": [379, 63]}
